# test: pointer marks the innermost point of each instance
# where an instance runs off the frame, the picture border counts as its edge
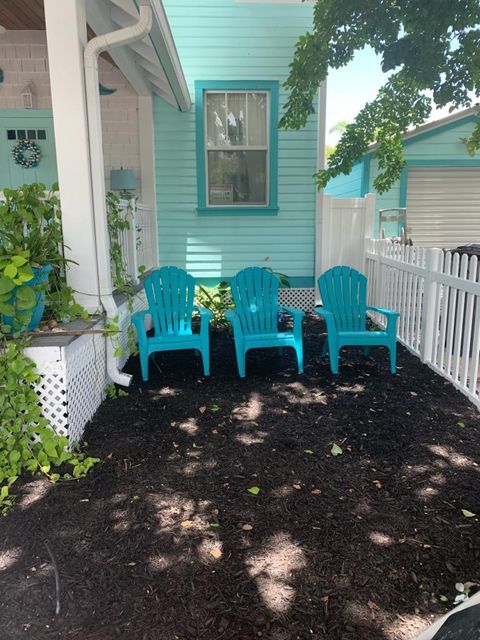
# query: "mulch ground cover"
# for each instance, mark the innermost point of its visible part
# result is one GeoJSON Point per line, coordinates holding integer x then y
{"type": "Point", "coordinates": [221, 512]}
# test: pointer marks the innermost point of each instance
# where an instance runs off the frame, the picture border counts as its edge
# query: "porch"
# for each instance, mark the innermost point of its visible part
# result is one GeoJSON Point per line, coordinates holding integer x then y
{"type": "Point", "coordinates": [164, 539]}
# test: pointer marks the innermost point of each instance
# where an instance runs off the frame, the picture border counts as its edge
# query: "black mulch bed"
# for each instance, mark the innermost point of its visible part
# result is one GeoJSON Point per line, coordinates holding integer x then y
{"type": "Point", "coordinates": [164, 541]}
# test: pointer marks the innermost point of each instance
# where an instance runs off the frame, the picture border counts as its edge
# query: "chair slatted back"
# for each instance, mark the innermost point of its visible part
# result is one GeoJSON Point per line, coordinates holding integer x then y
{"type": "Point", "coordinates": [170, 294]}
{"type": "Point", "coordinates": [344, 293]}
{"type": "Point", "coordinates": [255, 293]}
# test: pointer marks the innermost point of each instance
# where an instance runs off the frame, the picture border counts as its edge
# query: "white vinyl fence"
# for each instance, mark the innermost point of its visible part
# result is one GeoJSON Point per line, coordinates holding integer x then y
{"type": "Point", "coordinates": [437, 294]}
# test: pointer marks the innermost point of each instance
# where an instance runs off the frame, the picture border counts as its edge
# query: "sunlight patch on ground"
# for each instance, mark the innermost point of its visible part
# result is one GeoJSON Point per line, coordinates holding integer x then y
{"type": "Point", "coordinates": [122, 520]}
{"type": "Point", "coordinates": [34, 491]}
{"type": "Point", "coordinates": [406, 627]}
{"type": "Point", "coordinates": [165, 392]}
{"type": "Point", "coordinates": [190, 426]}
{"type": "Point", "coordinates": [255, 437]}
{"type": "Point", "coordinates": [427, 492]}
{"type": "Point", "coordinates": [354, 388]}
{"type": "Point", "coordinates": [453, 457]}
{"type": "Point", "coordinates": [382, 539]}
{"type": "Point", "coordinates": [273, 570]}
{"type": "Point", "coordinates": [250, 410]}
{"type": "Point", "coordinates": [210, 550]}
{"type": "Point", "coordinates": [162, 561]}
{"type": "Point", "coordinates": [282, 492]}
{"type": "Point", "coordinates": [194, 468]}
{"type": "Point", "coordinates": [8, 557]}
{"type": "Point", "coordinates": [173, 511]}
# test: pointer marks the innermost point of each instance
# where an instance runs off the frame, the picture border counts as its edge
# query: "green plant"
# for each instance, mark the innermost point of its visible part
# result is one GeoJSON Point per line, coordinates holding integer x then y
{"type": "Point", "coordinates": [218, 300]}
{"type": "Point", "coordinates": [31, 237]}
{"type": "Point", "coordinates": [117, 223]}
{"type": "Point", "coordinates": [27, 441]}
{"type": "Point", "coordinates": [430, 49]}
{"type": "Point", "coordinates": [281, 277]}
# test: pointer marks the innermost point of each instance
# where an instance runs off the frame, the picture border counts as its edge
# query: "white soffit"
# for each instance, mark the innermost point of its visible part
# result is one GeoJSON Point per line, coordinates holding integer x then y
{"type": "Point", "coordinates": [150, 65]}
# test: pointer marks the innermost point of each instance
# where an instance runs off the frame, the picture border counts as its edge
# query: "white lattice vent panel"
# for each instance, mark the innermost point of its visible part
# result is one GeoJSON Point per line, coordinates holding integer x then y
{"type": "Point", "coordinates": [301, 298]}
{"type": "Point", "coordinates": [86, 376]}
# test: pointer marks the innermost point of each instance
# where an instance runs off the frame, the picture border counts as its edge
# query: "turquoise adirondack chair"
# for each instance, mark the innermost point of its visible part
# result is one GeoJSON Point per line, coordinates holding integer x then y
{"type": "Point", "coordinates": [170, 295]}
{"type": "Point", "coordinates": [255, 316]}
{"type": "Point", "coordinates": [344, 296]}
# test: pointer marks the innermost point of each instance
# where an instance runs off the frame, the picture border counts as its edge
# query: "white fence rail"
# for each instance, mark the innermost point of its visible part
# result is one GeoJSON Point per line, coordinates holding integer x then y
{"type": "Point", "coordinates": [139, 241]}
{"type": "Point", "coordinates": [437, 294]}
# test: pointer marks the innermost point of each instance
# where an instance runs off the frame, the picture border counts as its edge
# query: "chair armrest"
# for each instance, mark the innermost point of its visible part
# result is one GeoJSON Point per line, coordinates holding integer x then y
{"type": "Point", "coordinates": [232, 316]}
{"type": "Point", "coordinates": [385, 312]}
{"type": "Point", "coordinates": [295, 313]}
{"type": "Point", "coordinates": [138, 321]}
{"type": "Point", "coordinates": [204, 313]}
{"type": "Point", "coordinates": [138, 318]}
{"type": "Point", "coordinates": [327, 316]}
{"type": "Point", "coordinates": [392, 318]}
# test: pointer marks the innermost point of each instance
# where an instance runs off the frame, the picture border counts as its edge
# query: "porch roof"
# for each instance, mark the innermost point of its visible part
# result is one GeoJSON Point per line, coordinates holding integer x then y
{"type": "Point", "coordinates": [151, 66]}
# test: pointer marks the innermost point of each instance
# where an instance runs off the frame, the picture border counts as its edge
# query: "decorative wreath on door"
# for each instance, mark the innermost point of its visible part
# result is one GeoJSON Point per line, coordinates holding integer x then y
{"type": "Point", "coordinates": [26, 153]}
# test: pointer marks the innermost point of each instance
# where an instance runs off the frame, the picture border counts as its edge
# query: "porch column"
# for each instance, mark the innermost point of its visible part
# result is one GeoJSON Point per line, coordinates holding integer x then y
{"type": "Point", "coordinates": [66, 37]}
{"type": "Point", "coordinates": [147, 164]}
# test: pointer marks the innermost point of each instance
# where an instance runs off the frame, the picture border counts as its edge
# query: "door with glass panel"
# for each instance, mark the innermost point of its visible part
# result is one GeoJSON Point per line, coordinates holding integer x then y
{"type": "Point", "coordinates": [237, 148]}
{"type": "Point", "coordinates": [16, 126]}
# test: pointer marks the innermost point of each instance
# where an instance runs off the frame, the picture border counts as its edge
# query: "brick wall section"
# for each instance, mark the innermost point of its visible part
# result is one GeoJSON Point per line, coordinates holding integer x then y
{"type": "Point", "coordinates": [24, 59]}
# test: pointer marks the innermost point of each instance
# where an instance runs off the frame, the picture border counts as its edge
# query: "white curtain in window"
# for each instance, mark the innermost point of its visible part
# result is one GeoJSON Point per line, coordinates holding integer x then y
{"type": "Point", "coordinates": [216, 120]}
{"type": "Point", "coordinates": [236, 119]}
{"type": "Point", "coordinates": [257, 119]}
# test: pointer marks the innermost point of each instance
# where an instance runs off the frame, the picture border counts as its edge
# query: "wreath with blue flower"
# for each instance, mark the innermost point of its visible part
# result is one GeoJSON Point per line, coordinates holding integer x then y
{"type": "Point", "coordinates": [26, 153]}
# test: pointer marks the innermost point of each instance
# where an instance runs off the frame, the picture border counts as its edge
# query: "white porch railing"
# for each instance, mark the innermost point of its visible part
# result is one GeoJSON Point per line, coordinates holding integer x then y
{"type": "Point", "coordinates": [437, 294]}
{"type": "Point", "coordinates": [139, 242]}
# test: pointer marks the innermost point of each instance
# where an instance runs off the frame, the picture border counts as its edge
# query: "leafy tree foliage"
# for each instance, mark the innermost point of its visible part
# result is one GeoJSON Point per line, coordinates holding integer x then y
{"type": "Point", "coordinates": [431, 48]}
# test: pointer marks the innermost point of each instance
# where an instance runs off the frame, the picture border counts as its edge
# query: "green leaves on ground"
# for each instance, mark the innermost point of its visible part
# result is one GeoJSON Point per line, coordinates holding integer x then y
{"type": "Point", "coordinates": [254, 491]}
{"type": "Point", "coordinates": [468, 514]}
{"type": "Point", "coordinates": [336, 450]}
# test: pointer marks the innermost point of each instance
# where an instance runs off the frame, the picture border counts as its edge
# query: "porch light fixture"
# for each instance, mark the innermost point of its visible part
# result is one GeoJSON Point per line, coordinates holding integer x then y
{"type": "Point", "coordinates": [123, 180]}
{"type": "Point", "coordinates": [27, 96]}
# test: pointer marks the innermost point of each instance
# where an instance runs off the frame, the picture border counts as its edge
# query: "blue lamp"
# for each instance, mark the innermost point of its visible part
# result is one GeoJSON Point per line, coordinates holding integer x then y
{"type": "Point", "coordinates": [122, 180]}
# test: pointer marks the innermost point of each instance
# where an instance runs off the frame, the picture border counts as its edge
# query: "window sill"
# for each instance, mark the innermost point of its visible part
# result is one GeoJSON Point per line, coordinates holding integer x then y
{"type": "Point", "coordinates": [240, 211]}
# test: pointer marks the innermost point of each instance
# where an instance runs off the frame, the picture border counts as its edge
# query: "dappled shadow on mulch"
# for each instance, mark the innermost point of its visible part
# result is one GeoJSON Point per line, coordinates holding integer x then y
{"type": "Point", "coordinates": [164, 541]}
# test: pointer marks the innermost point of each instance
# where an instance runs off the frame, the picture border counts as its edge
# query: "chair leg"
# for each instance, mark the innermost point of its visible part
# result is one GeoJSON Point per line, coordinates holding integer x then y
{"type": "Point", "coordinates": [366, 351]}
{"type": "Point", "coordinates": [325, 348]}
{"type": "Point", "coordinates": [206, 360]}
{"type": "Point", "coordinates": [240, 352]}
{"type": "Point", "coordinates": [299, 352]}
{"type": "Point", "coordinates": [144, 364]}
{"type": "Point", "coordinates": [334, 357]}
{"type": "Point", "coordinates": [393, 358]}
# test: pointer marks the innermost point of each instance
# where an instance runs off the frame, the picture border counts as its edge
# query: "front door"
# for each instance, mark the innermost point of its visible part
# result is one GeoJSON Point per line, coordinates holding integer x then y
{"type": "Point", "coordinates": [37, 126]}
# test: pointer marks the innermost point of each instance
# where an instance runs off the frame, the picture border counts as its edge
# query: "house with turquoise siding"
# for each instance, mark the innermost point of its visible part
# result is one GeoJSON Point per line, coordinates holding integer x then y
{"type": "Point", "coordinates": [439, 187]}
{"type": "Point", "coordinates": [232, 189]}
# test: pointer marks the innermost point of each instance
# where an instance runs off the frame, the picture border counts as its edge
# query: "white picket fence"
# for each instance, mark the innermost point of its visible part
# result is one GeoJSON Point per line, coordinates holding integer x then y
{"type": "Point", "coordinates": [437, 294]}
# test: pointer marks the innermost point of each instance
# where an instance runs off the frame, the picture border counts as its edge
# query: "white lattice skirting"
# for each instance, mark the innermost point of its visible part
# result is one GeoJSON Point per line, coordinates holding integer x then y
{"type": "Point", "coordinates": [73, 377]}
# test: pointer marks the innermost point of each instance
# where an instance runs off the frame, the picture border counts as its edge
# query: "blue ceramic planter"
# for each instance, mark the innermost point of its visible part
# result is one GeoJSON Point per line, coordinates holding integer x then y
{"type": "Point", "coordinates": [40, 277]}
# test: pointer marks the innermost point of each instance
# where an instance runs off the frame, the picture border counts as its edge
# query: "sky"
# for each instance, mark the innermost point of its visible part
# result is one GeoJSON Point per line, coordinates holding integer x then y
{"type": "Point", "coordinates": [349, 88]}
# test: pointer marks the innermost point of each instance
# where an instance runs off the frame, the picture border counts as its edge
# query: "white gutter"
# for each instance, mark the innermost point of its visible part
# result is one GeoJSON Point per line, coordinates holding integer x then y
{"type": "Point", "coordinates": [90, 56]}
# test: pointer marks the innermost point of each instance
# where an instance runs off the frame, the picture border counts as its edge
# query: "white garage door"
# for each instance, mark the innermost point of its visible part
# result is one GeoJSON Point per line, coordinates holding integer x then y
{"type": "Point", "coordinates": [443, 205]}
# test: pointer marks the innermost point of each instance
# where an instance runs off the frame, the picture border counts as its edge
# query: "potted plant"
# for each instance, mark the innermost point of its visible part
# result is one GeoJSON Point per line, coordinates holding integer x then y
{"type": "Point", "coordinates": [30, 248]}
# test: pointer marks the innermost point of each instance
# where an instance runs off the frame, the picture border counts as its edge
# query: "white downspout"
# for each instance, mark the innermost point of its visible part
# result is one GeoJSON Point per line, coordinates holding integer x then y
{"type": "Point", "coordinates": [90, 56]}
{"type": "Point", "coordinates": [321, 140]}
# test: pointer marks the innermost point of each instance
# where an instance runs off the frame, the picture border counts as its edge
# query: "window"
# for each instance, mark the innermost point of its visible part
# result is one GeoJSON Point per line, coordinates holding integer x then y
{"type": "Point", "coordinates": [237, 147]}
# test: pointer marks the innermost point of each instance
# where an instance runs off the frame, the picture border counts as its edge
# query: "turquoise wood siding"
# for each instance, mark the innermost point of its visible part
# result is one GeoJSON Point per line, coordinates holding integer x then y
{"type": "Point", "coordinates": [226, 40]}
{"type": "Point", "coordinates": [347, 186]}
{"type": "Point", "coordinates": [443, 145]}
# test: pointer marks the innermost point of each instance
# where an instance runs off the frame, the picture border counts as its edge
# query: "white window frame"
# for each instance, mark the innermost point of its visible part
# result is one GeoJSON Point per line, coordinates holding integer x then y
{"type": "Point", "coordinates": [237, 147]}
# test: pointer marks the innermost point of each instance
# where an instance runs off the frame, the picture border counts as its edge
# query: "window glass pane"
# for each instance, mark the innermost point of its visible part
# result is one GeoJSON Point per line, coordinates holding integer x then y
{"type": "Point", "coordinates": [11, 134]}
{"type": "Point", "coordinates": [236, 117]}
{"type": "Point", "coordinates": [237, 178]}
{"type": "Point", "coordinates": [32, 134]}
{"type": "Point", "coordinates": [42, 134]}
{"type": "Point", "coordinates": [257, 119]}
{"type": "Point", "coordinates": [216, 130]}
{"type": "Point", "coordinates": [21, 134]}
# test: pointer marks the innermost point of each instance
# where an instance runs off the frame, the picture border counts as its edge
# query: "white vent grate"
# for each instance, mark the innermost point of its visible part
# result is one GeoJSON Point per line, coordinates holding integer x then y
{"type": "Point", "coordinates": [301, 298]}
